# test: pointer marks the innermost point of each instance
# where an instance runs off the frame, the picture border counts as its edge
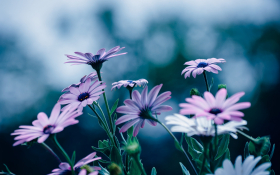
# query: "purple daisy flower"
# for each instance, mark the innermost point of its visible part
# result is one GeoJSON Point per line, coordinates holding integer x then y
{"type": "Point", "coordinates": [198, 66]}
{"type": "Point", "coordinates": [85, 94]}
{"type": "Point", "coordinates": [129, 83]}
{"type": "Point", "coordinates": [218, 108]}
{"type": "Point", "coordinates": [44, 126]}
{"type": "Point", "coordinates": [93, 76]}
{"type": "Point", "coordinates": [143, 107]}
{"type": "Point", "coordinates": [94, 60]}
{"type": "Point", "coordinates": [65, 168]}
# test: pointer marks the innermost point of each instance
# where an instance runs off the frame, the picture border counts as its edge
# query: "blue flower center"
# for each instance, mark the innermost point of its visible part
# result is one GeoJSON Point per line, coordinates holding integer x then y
{"type": "Point", "coordinates": [48, 129]}
{"type": "Point", "coordinates": [130, 81]}
{"type": "Point", "coordinates": [215, 111]}
{"type": "Point", "coordinates": [146, 113]}
{"type": "Point", "coordinates": [83, 96]}
{"type": "Point", "coordinates": [96, 57]}
{"type": "Point", "coordinates": [202, 64]}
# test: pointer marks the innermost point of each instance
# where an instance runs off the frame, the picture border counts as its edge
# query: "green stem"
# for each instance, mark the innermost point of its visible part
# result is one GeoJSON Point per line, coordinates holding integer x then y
{"type": "Point", "coordinates": [136, 159]}
{"type": "Point", "coordinates": [216, 139]}
{"type": "Point", "coordinates": [105, 126]}
{"type": "Point", "coordinates": [205, 78]}
{"type": "Point", "coordinates": [204, 160]}
{"type": "Point", "coordinates": [51, 151]}
{"type": "Point", "coordinates": [130, 93]}
{"type": "Point", "coordinates": [178, 144]}
{"type": "Point", "coordinates": [104, 118]}
{"type": "Point", "coordinates": [247, 136]}
{"type": "Point", "coordinates": [64, 153]}
{"type": "Point", "coordinates": [106, 103]}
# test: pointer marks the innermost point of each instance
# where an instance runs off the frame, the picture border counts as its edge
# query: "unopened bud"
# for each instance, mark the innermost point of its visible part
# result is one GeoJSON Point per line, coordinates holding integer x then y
{"type": "Point", "coordinates": [114, 169]}
{"type": "Point", "coordinates": [194, 91]}
{"type": "Point", "coordinates": [221, 86]}
{"type": "Point", "coordinates": [260, 146]}
{"type": "Point", "coordinates": [88, 168]}
{"type": "Point", "coordinates": [133, 148]}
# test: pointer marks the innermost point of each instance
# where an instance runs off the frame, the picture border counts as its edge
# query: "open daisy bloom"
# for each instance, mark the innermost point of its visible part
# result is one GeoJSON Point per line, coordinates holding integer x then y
{"type": "Point", "coordinates": [96, 60]}
{"type": "Point", "coordinates": [44, 126]}
{"type": "Point", "coordinates": [64, 168]}
{"type": "Point", "coordinates": [247, 168]}
{"type": "Point", "coordinates": [93, 76]}
{"type": "Point", "coordinates": [217, 108]}
{"type": "Point", "coordinates": [85, 94]}
{"type": "Point", "coordinates": [143, 107]}
{"type": "Point", "coordinates": [198, 66]}
{"type": "Point", "coordinates": [130, 84]}
{"type": "Point", "coordinates": [202, 126]}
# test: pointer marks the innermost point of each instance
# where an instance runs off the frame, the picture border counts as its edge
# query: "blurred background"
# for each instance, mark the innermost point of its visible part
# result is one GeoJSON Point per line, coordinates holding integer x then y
{"type": "Point", "coordinates": [159, 37]}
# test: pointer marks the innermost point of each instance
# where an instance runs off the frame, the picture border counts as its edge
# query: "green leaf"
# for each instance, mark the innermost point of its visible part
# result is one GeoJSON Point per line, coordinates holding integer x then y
{"type": "Point", "coordinates": [130, 131]}
{"type": "Point", "coordinates": [184, 169]}
{"type": "Point", "coordinates": [154, 171]}
{"type": "Point", "coordinates": [178, 146]}
{"type": "Point", "coordinates": [8, 169]}
{"type": "Point", "coordinates": [246, 150]}
{"type": "Point", "coordinates": [272, 152]}
{"type": "Point", "coordinates": [211, 85]}
{"type": "Point", "coordinates": [114, 107]}
{"type": "Point", "coordinates": [103, 161]}
{"type": "Point", "coordinates": [182, 139]}
{"type": "Point", "coordinates": [219, 162]}
{"type": "Point", "coordinates": [134, 169]}
{"type": "Point", "coordinates": [103, 171]}
{"type": "Point", "coordinates": [103, 144]}
{"type": "Point", "coordinates": [194, 147]}
{"type": "Point", "coordinates": [73, 157]}
{"type": "Point", "coordinates": [223, 145]}
{"type": "Point", "coordinates": [116, 157]}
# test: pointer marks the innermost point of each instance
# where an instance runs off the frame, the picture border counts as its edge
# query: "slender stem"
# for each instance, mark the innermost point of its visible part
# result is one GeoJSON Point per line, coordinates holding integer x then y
{"type": "Point", "coordinates": [204, 159]}
{"type": "Point", "coordinates": [64, 153]}
{"type": "Point", "coordinates": [105, 126]}
{"type": "Point", "coordinates": [178, 144]}
{"type": "Point", "coordinates": [247, 136]}
{"type": "Point", "coordinates": [51, 151]}
{"type": "Point", "coordinates": [106, 103]}
{"type": "Point", "coordinates": [139, 165]}
{"type": "Point", "coordinates": [104, 118]}
{"type": "Point", "coordinates": [130, 93]}
{"type": "Point", "coordinates": [205, 78]}
{"type": "Point", "coordinates": [216, 139]}
{"type": "Point", "coordinates": [126, 162]}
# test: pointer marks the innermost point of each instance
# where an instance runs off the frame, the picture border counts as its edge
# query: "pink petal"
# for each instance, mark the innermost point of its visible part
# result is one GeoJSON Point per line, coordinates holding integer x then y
{"type": "Point", "coordinates": [126, 118]}
{"type": "Point", "coordinates": [220, 97]}
{"type": "Point", "coordinates": [43, 138]}
{"type": "Point", "coordinates": [209, 99]}
{"type": "Point", "coordinates": [129, 124]}
{"type": "Point", "coordinates": [74, 90]}
{"type": "Point", "coordinates": [43, 118]}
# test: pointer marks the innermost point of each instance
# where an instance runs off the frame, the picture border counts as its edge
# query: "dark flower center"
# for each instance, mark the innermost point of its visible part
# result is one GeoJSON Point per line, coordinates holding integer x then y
{"type": "Point", "coordinates": [48, 129]}
{"type": "Point", "coordinates": [83, 96]}
{"type": "Point", "coordinates": [129, 81]}
{"type": "Point", "coordinates": [146, 113]}
{"type": "Point", "coordinates": [96, 57]}
{"type": "Point", "coordinates": [215, 111]}
{"type": "Point", "coordinates": [202, 64]}
{"type": "Point", "coordinates": [96, 64]}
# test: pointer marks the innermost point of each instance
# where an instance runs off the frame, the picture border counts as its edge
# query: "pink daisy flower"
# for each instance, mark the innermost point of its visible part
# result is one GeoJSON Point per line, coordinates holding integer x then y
{"type": "Point", "coordinates": [65, 168]}
{"type": "Point", "coordinates": [96, 60]}
{"type": "Point", "coordinates": [85, 94]}
{"type": "Point", "coordinates": [198, 66]}
{"type": "Point", "coordinates": [93, 76]}
{"type": "Point", "coordinates": [44, 126]}
{"type": "Point", "coordinates": [218, 108]}
{"type": "Point", "coordinates": [143, 107]}
{"type": "Point", "coordinates": [129, 83]}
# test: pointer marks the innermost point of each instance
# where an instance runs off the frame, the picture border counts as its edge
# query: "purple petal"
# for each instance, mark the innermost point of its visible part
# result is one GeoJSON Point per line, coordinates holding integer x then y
{"type": "Point", "coordinates": [239, 106]}
{"type": "Point", "coordinates": [137, 128]}
{"type": "Point", "coordinates": [126, 110]}
{"type": "Point", "coordinates": [126, 118]}
{"type": "Point", "coordinates": [163, 108]}
{"type": "Point", "coordinates": [233, 99]}
{"type": "Point", "coordinates": [43, 118]}
{"type": "Point", "coordinates": [129, 124]}
{"type": "Point", "coordinates": [74, 90]}
{"type": "Point", "coordinates": [151, 122]}
{"type": "Point", "coordinates": [153, 94]}
{"type": "Point", "coordinates": [43, 138]}
{"type": "Point", "coordinates": [144, 96]}
{"type": "Point", "coordinates": [162, 98]}
{"type": "Point", "coordinates": [55, 113]}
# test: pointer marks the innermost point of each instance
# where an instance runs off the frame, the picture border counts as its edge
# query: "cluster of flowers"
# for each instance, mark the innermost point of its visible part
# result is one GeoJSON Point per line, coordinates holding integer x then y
{"type": "Point", "coordinates": [210, 115]}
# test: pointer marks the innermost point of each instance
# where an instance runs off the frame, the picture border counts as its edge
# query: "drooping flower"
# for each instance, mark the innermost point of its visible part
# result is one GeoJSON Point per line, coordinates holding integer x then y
{"type": "Point", "coordinates": [143, 107]}
{"type": "Point", "coordinates": [84, 172]}
{"type": "Point", "coordinates": [247, 168]}
{"type": "Point", "coordinates": [65, 168]}
{"type": "Point", "coordinates": [202, 126]}
{"type": "Point", "coordinates": [218, 108]}
{"type": "Point", "coordinates": [85, 94]}
{"type": "Point", "coordinates": [44, 126]}
{"type": "Point", "coordinates": [92, 76]}
{"type": "Point", "coordinates": [96, 60]}
{"type": "Point", "coordinates": [197, 67]}
{"type": "Point", "coordinates": [129, 83]}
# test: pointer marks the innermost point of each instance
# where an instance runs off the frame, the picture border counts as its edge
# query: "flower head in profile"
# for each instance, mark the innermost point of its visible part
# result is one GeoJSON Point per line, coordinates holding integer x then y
{"type": "Point", "coordinates": [202, 126]}
{"type": "Point", "coordinates": [96, 60]}
{"type": "Point", "coordinates": [129, 84]}
{"type": "Point", "coordinates": [85, 94]}
{"type": "Point", "coordinates": [247, 168]}
{"type": "Point", "coordinates": [64, 168]}
{"type": "Point", "coordinates": [44, 126]}
{"type": "Point", "coordinates": [198, 66]}
{"type": "Point", "coordinates": [217, 108]}
{"type": "Point", "coordinates": [92, 76]}
{"type": "Point", "coordinates": [143, 107]}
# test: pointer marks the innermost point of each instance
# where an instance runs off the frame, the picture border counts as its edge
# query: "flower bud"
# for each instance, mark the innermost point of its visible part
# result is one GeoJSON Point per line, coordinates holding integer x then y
{"type": "Point", "coordinates": [194, 91]}
{"type": "Point", "coordinates": [133, 148]}
{"type": "Point", "coordinates": [88, 168]}
{"type": "Point", "coordinates": [260, 146]}
{"type": "Point", "coordinates": [221, 86]}
{"type": "Point", "coordinates": [114, 169]}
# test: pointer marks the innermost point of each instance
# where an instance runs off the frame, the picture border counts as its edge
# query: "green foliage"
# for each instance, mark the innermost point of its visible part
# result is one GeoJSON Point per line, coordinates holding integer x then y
{"type": "Point", "coordinates": [114, 107]}
{"type": "Point", "coordinates": [103, 171]}
{"type": "Point", "coordinates": [133, 168]}
{"type": "Point", "coordinates": [73, 157]}
{"type": "Point", "coordinates": [184, 169]}
{"type": "Point", "coordinates": [211, 85]}
{"type": "Point", "coordinates": [222, 146]}
{"type": "Point", "coordinates": [114, 169]}
{"type": "Point", "coordinates": [246, 150]}
{"type": "Point", "coordinates": [116, 157]}
{"type": "Point", "coordinates": [260, 147]}
{"type": "Point", "coordinates": [194, 147]}
{"type": "Point", "coordinates": [194, 91]}
{"type": "Point", "coordinates": [8, 171]}
{"type": "Point", "coordinates": [154, 171]}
